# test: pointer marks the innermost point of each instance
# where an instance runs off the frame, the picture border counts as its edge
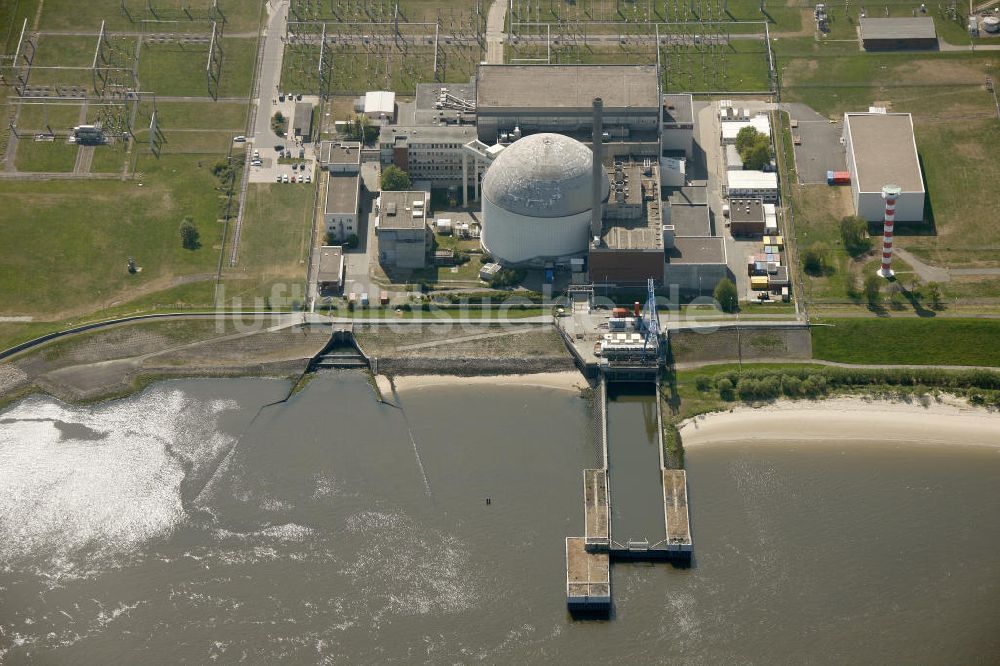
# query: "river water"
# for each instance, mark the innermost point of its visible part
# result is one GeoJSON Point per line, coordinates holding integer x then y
{"type": "Point", "coordinates": [188, 524]}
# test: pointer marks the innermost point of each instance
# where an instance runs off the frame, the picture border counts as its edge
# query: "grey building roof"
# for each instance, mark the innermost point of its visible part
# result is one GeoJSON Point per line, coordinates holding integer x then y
{"type": "Point", "coordinates": [303, 116]}
{"type": "Point", "coordinates": [687, 220]}
{"type": "Point", "coordinates": [918, 27]}
{"type": "Point", "coordinates": [423, 133]}
{"type": "Point", "coordinates": [678, 108]}
{"type": "Point", "coordinates": [340, 152]}
{"type": "Point", "coordinates": [331, 263]}
{"type": "Point", "coordinates": [885, 152]}
{"type": "Point", "coordinates": [542, 175]}
{"type": "Point", "coordinates": [342, 194]}
{"type": "Point", "coordinates": [697, 250]}
{"type": "Point", "coordinates": [396, 211]}
{"type": "Point", "coordinates": [566, 86]}
{"type": "Point", "coordinates": [746, 210]}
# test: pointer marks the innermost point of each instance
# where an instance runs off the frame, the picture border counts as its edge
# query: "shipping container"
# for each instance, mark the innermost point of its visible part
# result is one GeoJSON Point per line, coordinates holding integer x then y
{"type": "Point", "coordinates": [618, 313]}
{"type": "Point", "coordinates": [758, 282]}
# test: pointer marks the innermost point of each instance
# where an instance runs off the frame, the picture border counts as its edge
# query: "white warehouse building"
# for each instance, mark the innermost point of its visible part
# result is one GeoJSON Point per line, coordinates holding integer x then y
{"type": "Point", "coordinates": [537, 199]}
{"type": "Point", "coordinates": [881, 150]}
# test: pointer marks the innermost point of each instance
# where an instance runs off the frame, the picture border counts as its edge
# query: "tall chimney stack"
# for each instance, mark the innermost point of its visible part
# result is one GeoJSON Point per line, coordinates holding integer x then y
{"type": "Point", "coordinates": [890, 193]}
{"type": "Point", "coordinates": [597, 184]}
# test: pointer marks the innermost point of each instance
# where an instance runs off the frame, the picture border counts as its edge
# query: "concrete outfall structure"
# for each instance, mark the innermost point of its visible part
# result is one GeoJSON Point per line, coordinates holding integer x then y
{"type": "Point", "coordinates": [890, 194]}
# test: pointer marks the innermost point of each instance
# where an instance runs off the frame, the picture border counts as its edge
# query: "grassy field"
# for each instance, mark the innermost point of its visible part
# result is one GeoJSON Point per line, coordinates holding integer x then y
{"type": "Point", "coordinates": [355, 71]}
{"type": "Point", "coordinates": [60, 117]}
{"type": "Point", "coordinates": [240, 15]}
{"type": "Point", "coordinates": [45, 156]}
{"type": "Point", "coordinates": [909, 341]}
{"type": "Point", "coordinates": [274, 245]}
{"type": "Point", "coordinates": [194, 115]}
{"type": "Point", "coordinates": [179, 69]}
{"type": "Point", "coordinates": [72, 240]}
{"type": "Point", "coordinates": [740, 66]}
{"type": "Point", "coordinates": [954, 122]}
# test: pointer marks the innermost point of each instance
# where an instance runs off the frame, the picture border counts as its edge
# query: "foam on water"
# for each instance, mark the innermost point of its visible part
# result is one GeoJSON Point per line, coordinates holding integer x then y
{"type": "Point", "coordinates": [73, 507]}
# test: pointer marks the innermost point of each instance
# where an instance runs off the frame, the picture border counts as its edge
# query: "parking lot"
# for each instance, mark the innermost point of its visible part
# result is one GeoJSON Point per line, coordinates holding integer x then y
{"type": "Point", "coordinates": [819, 149]}
{"type": "Point", "coordinates": [295, 162]}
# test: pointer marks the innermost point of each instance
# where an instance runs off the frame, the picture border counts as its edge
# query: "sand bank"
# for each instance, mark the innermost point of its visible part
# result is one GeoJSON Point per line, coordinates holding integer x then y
{"type": "Point", "coordinates": [844, 419]}
{"type": "Point", "coordinates": [568, 381]}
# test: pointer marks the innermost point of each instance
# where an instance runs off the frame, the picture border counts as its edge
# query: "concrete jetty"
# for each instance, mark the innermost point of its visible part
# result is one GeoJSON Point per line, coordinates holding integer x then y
{"type": "Point", "coordinates": [597, 509]}
{"type": "Point", "coordinates": [588, 578]}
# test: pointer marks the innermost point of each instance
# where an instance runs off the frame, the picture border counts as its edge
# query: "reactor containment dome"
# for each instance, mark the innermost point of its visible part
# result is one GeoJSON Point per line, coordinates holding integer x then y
{"type": "Point", "coordinates": [537, 199]}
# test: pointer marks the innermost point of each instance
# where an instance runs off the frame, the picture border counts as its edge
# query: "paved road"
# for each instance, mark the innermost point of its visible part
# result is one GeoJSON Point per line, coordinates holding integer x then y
{"type": "Point", "coordinates": [270, 75]}
{"type": "Point", "coordinates": [496, 19]}
{"type": "Point", "coordinates": [833, 364]}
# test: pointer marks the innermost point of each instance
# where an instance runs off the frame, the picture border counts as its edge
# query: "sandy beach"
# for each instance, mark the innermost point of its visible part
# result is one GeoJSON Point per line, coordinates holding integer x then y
{"type": "Point", "coordinates": [951, 421]}
{"type": "Point", "coordinates": [567, 381]}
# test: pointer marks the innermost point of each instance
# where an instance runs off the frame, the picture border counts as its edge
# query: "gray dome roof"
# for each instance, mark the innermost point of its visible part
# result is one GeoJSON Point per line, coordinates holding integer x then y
{"type": "Point", "coordinates": [542, 175]}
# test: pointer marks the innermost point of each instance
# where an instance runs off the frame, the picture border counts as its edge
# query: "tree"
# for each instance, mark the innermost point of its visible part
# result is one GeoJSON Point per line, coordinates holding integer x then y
{"type": "Point", "coordinates": [746, 138]}
{"type": "Point", "coordinates": [190, 238]}
{"type": "Point", "coordinates": [854, 234]}
{"type": "Point", "coordinates": [815, 259]}
{"type": "Point", "coordinates": [873, 290]}
{"type": "Point", "coordinates": [352, 241]}
{"type": "Point", "coordinates": [394, 179]}
{"type": "Point", "coordinates": [933, 292]}
{"type": "Point", "coordinates": [360, 128]}
{"type": "Point", "coordinates": [758, 154]}
{"type": "Point", "coordinates": [727, 296]}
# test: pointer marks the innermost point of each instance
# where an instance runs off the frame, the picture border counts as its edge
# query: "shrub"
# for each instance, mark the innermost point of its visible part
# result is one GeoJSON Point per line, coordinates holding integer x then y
{"type": "Point", "coordinates": [726, 295]}
{"type": "Point", "coordinates": [703, 383]}
{"type": "Point", "coordinates": [815, 260]}
{"type": "Point", "coordinates": [352, 241]}
{"type": "Point", "coordinates": [873, 290]}
{"type": "Point", "coordinates": [725, 389]}
{"type": "Point", "coordinates": [854, 234]}
{"type": "Point", "coordinates": [190, 238]}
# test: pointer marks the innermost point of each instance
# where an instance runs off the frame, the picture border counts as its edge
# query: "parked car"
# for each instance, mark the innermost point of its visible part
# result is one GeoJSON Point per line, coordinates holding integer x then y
{"type": "Point", "coordinates": [284, 178]}
{"type": "Point", "coordinates": [299, 97]}
{"type": "Point", "coordinates": [281, 97]}
{"type": "Point", "coordinates": [279, 147]}
{"type": "Point", "coordinates": [256, 154]}
{"type": "Point", "coordinates": [302, 153]}
{"type": "Point", "coordinates": [278, 178]}
{"type": "Point", "coordinates": [239, 139]}
{"type": "Point", "coordinates": [293, 177]}
{"type": "Point", "coordinates": [309, 178]}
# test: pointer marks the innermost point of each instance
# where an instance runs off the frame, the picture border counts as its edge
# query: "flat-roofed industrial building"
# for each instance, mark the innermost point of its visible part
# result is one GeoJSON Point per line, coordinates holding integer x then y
{"type": "Point", "coordinates": [303, 121]}
{"type": "Point", "coordinates": [432, 152]}
{"type": "Point", "coordinates": [678, 124]}
{"type": "Point", "coordinates": [330, 276]}
{"type": "Point", "coordinates": [897, 34]}
{"type": "Point", "coordinates": [558, 98]}
{"type": "Point", "coordinates": [881, 150]}
{"type": "Point", "coordinates": [340, 156]}
{"type": "Point", "coordinates": [340, 212]}
{"type": "Point", "coordinates": [401, 227]}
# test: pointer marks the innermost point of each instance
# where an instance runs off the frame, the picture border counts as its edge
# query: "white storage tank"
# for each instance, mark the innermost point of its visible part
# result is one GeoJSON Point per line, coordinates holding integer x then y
{"type": "Point", "coordinates": [536, 199]}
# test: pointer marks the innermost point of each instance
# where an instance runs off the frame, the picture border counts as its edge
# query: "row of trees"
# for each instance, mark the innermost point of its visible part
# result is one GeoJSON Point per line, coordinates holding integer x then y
{"type": "Point", "coordinates": [751, 385]}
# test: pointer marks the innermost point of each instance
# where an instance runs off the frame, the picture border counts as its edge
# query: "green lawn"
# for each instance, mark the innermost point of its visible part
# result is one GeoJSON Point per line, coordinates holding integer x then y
{"type": "Point", "coordinates": [71, 241]}
{"type": "Point", "coordinates": [60, 117]}
{"type": "Point", "coordinates": [274, 244]}
{"type": "Point", "coordinates": [45, 156]}
{"type": "Point", "coordinates": [109, 158]}
{"type": "Point", "coordinates": [179, 69]}
{"type": "Point", "coordinates": [241, 15]}
{"type": "Point", "coordinates": [909, 341]}
{"type": "Point", "coordinates": [194, 115]}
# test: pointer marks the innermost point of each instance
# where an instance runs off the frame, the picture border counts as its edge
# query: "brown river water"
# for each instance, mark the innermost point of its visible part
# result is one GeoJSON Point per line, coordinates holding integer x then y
{"type": "Point", "coordinates": [187, 524]}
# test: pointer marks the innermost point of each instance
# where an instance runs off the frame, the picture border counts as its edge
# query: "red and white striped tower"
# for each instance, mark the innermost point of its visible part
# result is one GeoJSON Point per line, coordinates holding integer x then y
{"type": "Point", "coordinates": [890, 193]}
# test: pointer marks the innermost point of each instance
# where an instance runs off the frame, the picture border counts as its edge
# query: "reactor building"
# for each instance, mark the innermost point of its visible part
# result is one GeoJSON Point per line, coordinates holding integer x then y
{"type": "Point", "coordinates": [537, 199]}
